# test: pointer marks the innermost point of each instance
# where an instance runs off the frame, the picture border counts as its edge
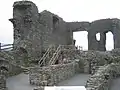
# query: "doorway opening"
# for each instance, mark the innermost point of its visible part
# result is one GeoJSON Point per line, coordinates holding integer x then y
{"type": "Point", "coordinates": [109, 41]}
{"type": "Point", "coordinates": [81, 39]}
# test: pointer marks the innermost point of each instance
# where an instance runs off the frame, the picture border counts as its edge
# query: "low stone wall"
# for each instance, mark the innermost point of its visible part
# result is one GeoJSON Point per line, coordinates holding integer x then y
{"type": "Point", "coordinates": [8, 60]}
{"type": "Point", "coordinates": [3, 82]}
{"type": "Point", "coordinates": [101, 79]}
{"type": "Point", "coordinates": [51, 75]}
{"type": "Point", "coordinates": [91, 59]}
{"type": "Point", "coordinates": [15, 70]}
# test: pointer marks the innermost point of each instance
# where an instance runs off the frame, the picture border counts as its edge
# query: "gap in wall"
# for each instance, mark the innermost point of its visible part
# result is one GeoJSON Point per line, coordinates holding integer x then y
{"type": "Point", "coordinates": [109, 41]}
{"type": "Point", "coordinates": [81, 39]}
{"type": "Point", "coordinates": [98, 36]}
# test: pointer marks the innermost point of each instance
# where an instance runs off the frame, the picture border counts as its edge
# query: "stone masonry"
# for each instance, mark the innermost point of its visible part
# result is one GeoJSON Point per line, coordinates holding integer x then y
{"type": "Point", "coordinates": [3, 82]}
{"type": "Point", "coordinates": [51, 75]}
{"type": "Point", "coordinates": [34, 31]}
{"type": "Point", "coordinates": [102, 78]}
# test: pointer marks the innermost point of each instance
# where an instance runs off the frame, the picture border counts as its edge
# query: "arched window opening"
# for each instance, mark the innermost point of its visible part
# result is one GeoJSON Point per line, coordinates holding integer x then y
{"type": "Point", "coordinates": [98, 36]}
{"type": "Point", "coordinates": [109, 41]}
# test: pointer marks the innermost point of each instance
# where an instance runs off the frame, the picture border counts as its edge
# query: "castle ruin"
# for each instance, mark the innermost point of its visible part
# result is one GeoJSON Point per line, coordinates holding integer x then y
{"type": "Point", "coordinates": [43, 41]}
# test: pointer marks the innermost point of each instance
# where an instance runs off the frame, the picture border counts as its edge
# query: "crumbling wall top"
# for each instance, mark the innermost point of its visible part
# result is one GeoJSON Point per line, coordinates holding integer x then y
{"type": "Point", "coordinates": [107, 19]}
{"type": "Point", "coordinates": [103, 25]}
{"type": "Point", "coordinates": [46, 12]}
{"type": "Point", "coordinates": [78, 26]}
{"type": "Point", "coordinates": [26, 3]}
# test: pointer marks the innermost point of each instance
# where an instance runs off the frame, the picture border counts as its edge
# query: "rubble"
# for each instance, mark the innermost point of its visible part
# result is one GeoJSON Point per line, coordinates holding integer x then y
{"type": "Point", "coordinates": [103, 77]}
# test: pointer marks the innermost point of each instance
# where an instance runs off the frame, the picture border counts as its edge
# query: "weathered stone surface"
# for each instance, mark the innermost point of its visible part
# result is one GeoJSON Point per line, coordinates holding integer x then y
{"type": "Point", "coordinates": [26, 28]}
{"type": "Point", "coordinates": [11, 67]}
{"type": "Point", "coordinates": [51, 75]}
{"type": "Point", "coordinates": [78, 26]}
{"type": "Point", "coordinates": [34, 32]}
{"type": "Point", "coordinates": [89, 60]}
{"type": "Point", "coordinates": [56, 32]}
{"type": "Point", "coordinates": [2, 82]}
{"type": "Point", "coordinates": [103, 26]}
{"type": "Point", "coordinates": [102, 78]}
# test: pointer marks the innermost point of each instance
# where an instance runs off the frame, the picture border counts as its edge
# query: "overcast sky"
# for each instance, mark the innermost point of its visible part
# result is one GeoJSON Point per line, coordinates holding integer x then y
{"type": "Point", "coordinates": [69, 10]}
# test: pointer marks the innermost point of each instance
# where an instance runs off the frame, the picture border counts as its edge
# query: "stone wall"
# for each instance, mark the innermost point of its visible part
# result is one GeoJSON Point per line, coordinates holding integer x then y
{"type": "Point", "coordinates": [15, 70]}
{"type": "Point", "coordinates": [96, 63]}
{"type": "Point", "coordinates": [102, 78]}
{"type": "Point", "coordinates": [3, 82]}
{"type": "Point", "coordinates": [8, 67]}
{"type": "Point", "coordinates": [27, 29]}
{"type": "Point", "coordinates": [103, 26]}
{"type": "Point", "coordinates": [51, 75]}
{"type": "Point", "coordinates": [8, 61]}
{"type": "Point", "coordinates": [34, 31]}
{"type": "Point", "coordinates": [115, 52]}
{"type": "Point", "coordinates": [3, 75]}
{"type": "Point", "coordinates": [12, 69]}
{"type": "Point", "coordinates": [91, 59]}
{"type": "Point", "coordinates": [78, 26]}
{"type": "Point", "coordinates": [56, 32]}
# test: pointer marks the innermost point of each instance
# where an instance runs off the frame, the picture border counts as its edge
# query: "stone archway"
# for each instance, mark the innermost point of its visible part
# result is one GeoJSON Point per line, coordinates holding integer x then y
{"type": "Point", "coordinates": [103, 26]}
{"type": "Point", "coordinates": [98, 44]}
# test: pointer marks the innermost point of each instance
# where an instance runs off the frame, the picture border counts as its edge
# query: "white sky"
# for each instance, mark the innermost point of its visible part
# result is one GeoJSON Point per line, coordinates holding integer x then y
{"type": "Point", "coordinates": [69, 10]}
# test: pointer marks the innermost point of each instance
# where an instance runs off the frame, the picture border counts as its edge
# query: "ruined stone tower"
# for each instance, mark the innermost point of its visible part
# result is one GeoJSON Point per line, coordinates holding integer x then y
{"type": "Point", "coordinates": [27, 30]}
{"type": "Point", "coordinates": [34, 31]}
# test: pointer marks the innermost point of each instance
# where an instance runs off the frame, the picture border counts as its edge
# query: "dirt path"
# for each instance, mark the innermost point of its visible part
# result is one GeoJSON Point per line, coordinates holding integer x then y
{"type": "Point", "coordinates": [115, 85]}
{"type": "Point", "coordinates": [77, 80]}
{"type": "Point", "coordinates": [20, 82]}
